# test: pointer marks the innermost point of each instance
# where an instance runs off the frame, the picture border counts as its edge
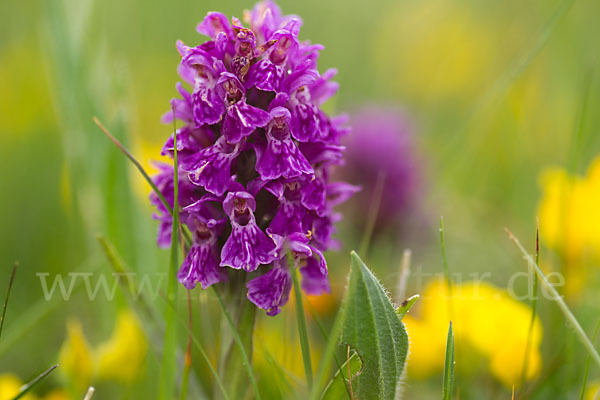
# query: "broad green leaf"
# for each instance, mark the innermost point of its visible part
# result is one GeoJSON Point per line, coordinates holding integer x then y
{"type": "Point", "coordinates": [372, 328]}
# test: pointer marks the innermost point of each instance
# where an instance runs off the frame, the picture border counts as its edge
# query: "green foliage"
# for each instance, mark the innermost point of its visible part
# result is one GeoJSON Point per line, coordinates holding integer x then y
{"type": "Point", "coordinates": [374, 330]}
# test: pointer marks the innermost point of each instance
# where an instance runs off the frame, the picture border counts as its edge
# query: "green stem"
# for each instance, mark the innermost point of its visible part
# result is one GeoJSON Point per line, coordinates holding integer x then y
{"type": "Point", "coordinates": [188, 352]}
{"type": "Point", "coordinates": [240, 343]}
{"type": "Point", "coordinates": [302, 332]}
{"type": "Point", "coordinates": [233, 375]}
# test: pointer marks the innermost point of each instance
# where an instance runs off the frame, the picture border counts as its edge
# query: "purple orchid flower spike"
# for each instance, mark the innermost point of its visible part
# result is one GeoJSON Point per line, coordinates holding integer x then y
{"type": "Point", "coordinates": [255, 153]}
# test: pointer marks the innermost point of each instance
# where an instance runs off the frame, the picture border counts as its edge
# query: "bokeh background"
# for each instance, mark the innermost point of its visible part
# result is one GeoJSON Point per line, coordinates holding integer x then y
{"type": "Point", "coordinates": [492, 94]}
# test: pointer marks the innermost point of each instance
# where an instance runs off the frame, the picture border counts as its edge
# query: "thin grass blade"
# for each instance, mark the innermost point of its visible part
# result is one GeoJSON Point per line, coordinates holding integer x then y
{"type": "Point", "coordinates": [533, 306]}
{"type": "Point", "coordinates": [10, 284]}
{"type": "Point", "coordinates": [28, 386]}
{"type": "Point", "coordinates": [316, 318]}
{"type": "Point", "coordinates": [302, 331]}
{"type": "Point", "coordinates": [448, 383]}
{"type": "Point", "coordinates": [586, 371]}
{"type": "Point", "coordinates": [373, 212]}
{"type": "Point", "coordinates": [118, 265]}
{"type": "Point", "coordinates": [587, 343]}
{"type": "Point", "coordinates": [140, 168]}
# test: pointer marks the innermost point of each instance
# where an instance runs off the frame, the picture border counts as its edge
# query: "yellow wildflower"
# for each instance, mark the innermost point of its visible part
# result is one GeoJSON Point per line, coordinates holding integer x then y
{"type": "Point", "coordinates": [10, 386]}
{"type": "Point", "coordinates": [75, 358]}
{"type": "Point", "coordinates": [593, 391]}
{"type": "Point", "coordinates": [122, 357]}
{"type": "Point", "coordinates": [569, 212]}
{"type": "Point", "coordinates": [486, 321]}
{"type": "Point", "coordinates": [57, 394]}
{"type": "Point", "coordinates": [119, 359]}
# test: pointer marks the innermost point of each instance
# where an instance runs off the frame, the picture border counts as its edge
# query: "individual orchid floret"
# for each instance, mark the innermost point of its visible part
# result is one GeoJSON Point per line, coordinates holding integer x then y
{"type": "Point", "coordinates": [247, 246]}
{"type": "Point", "coordinates": [210, 168]}
{"type": "Point", "coordinates": [241, 119]}
{"type": "Point", "coordinates": [280, 157]}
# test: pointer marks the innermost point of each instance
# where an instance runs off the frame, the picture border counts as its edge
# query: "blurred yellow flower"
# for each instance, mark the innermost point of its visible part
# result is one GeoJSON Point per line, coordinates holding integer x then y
{"type": "Point", "coordinates": [75, 358]}
{"type": "Point", "coordinates": [10, 386]}
{"type": "Point", "coordinates": [57, 394]}
{"type": "Point", "coordinates": [122, 357]}
{"type": "Point", "coordinates": [593, 391]}
{"type": "Point", "coordinates": [147, 153]}
{"type": "Point", "coordinates": [569, 212]}
{"type": "Point", "coordinates": [119, 359]}
{"type": "Point", "coordinates": [486, 321]}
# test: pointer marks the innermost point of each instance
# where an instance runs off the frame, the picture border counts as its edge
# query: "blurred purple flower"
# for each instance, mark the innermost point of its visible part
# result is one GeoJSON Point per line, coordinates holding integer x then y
{"type": "Point", "coordinates": [381, 148]}
{"type": "Point", "coordinates": [254, 154]}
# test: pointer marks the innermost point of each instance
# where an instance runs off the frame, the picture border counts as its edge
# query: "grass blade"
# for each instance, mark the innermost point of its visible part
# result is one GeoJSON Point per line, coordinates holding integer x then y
{"type": "Point", "coordinates": [448, 383]}
{"type": "Point", "coordinates": [238, 340]}
{"type": "Point", "coordinates": [444, 257]}
{"type": "Point", "coordinates": [140, 168]}
{"type": "Point", "coordinates": [559, 300]}
{"type": "Point", "coordinates": [10, 284]}
{"type": "Point", "coordinates": [316, 318]}
{"type": "Point", "coordinates": [302, 332]}
{"type": "Point", "coordinates": [169, 357]}
{"type": "Point", "coordinates": [28, 386]}
{"type": "Point", "coordinates": [135, 162]}
{"type": "Point", "coordinates": [119, 266]}
{"type": "Point", "coordinates": [188, 353]}
{"type": "Point", "coordinates": [328, 354]}
{"type": "Point", "coordinates": [373, 212]}
{"type": "Point", "coordinates": [533, 306]}
{"type": "Point", "coordinates": [587, 364]}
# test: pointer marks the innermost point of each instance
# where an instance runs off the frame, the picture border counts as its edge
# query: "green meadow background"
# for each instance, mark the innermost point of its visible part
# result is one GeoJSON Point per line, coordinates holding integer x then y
{"type": "Point", "coordinates": [495, 91]}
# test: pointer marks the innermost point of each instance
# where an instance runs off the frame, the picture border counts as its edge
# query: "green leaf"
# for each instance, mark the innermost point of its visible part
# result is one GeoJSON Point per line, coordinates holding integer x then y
{"type": "Point", "coordinates": [373, 329]}
{"type": "Point", "coordinates": [448, 383]}
{"type": "Point", "coordinates": [406, 306]}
